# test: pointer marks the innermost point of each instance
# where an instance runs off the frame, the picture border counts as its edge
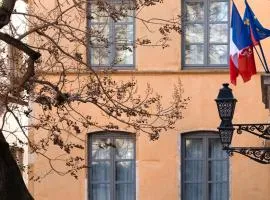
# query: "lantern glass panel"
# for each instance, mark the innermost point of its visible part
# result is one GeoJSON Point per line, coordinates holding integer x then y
{"type": "Point", "coordinates": [226, 108]}
{"type": "Point", "coordinates": [226, 135]}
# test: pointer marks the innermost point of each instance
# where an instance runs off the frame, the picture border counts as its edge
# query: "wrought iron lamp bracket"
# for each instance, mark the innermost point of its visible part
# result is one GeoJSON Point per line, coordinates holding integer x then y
{"type": "Point", "coordinates": [226, 106]}
{"type": "Point", "coordinates": [258, 154]}
{"type": "Point", "coordinates": [260, 130]}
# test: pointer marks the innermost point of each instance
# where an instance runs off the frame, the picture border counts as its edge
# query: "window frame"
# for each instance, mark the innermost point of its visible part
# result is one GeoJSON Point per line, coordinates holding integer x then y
{"type": "Point", "coordinates": [112, 177]}
{"type": "Point", "coordinates": [111, 25]}
{"type": "Point", "coordinates": [206, 43]}
{"type": "Point", "coordinates": [205, 136]}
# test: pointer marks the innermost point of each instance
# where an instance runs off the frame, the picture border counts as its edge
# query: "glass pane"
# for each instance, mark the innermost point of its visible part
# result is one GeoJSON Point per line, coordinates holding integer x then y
{"type": "Point", "coordinates": [215, 149]}
{"type": "Point", "coordinates": [100, 35]}
{"type": "Point", "coordinates": [218, 191]}
{"type": "Point", "coordinates": [194, 33]}
{"type": "Point", "coordinates": [194, 148]}
{"type": "Point", "coordinates": [124, 33]}
{"type": "Point", "coordinates": [98, 15]}
{"type": "Point", "coordinates": [193, 191]}
{"type": "Point", "coordinates": [100, 171]}
{"type": "Point", "coordinates": [218, 33]}
{"type": "Point", "coordinates": [218, 11]}
{"type": "Point", "coordinates": [101, 148]}
{"type": "Point", "coordinates": [194, 54]}
{"type": "Point", "coordinates": [126, 12]}
{"type": "Point", "coordinates": [100, 56]}
{"type": "Point", "coordinates": [125, 192]}
{"type": "Point", "coordinates": [124, 148]}
{"type": "Point", "coordinates": [218, 170]}
{"type": "Point", "coordinates": [218, 54]}
{"type": "Point", "coordinates": [124, 55]}
{"type": "Point", "coordinates": [194, 170]}
{"type": "Point", "coordinates": [194, 11]}
{"type": "Point", "coordinates": [125, 171]}
{"type": "Point", "coordinates": [100, 192]}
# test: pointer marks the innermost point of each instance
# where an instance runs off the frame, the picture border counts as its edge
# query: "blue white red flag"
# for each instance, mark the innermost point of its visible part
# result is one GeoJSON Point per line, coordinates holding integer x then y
{"type": "Point", "coordinates": [241, 49]}
{"type": "Point", "coordinates": [256, 31]}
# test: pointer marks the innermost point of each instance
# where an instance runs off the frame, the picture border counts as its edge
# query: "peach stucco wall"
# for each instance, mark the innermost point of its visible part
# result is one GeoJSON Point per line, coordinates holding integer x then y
{"type": "Point", "coordinates": [158, 163]}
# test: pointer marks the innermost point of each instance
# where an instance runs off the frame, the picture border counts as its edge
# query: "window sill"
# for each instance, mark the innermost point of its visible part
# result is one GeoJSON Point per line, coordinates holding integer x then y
{"type": "Point", "coordinates": [133, 70]}
{"type": "Point", "coordinates": [212, 70]}
{"type": "Point", "coordinates": [114, 68]}
{"type": "Point", "coordinates": [168, 72]}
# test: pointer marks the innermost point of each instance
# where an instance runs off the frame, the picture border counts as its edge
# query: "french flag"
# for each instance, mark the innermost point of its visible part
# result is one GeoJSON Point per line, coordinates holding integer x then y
{"type": "Point", "coordinates": [241, 49]}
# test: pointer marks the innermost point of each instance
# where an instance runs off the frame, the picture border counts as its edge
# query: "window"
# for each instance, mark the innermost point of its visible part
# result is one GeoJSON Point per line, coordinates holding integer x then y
{"type": "Point", "coordinates": [112, 33]}
{"type": "Point", "coordinates": [205, 168]}
{"type": "Point", "coordinates": [17, 153]}
{"type": "Point", "coordinates": [112, 166]}
{"type": "Point", "coordinates": [206, 33]}
{"type": "Point", "coordinates": [16, 64]}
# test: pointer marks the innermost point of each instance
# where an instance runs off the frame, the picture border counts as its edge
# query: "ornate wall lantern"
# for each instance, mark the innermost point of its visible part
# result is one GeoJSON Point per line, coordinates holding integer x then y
{"type": "Point", "coordinates": [226, 103]}
{"type": "Point", "coordinates": [226, 106]}
{"type": "Point", "coordinates": [6, 8]}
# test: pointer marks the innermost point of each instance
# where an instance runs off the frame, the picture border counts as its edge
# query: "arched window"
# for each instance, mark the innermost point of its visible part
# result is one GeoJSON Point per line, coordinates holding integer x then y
{"type": "Point", "coordinates": [111, 174]}
{"type": "Point", "coordinates": [205, 167]}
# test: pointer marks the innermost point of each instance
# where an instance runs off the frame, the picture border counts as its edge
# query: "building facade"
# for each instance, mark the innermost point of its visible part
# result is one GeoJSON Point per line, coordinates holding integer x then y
{"type": "Point", "coordinates": [187, 163]}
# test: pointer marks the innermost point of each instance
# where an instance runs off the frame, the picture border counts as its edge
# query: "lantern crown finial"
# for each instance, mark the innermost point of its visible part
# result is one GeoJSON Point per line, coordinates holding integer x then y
{"type": "Point", "coordinates": [225, 92]}
{"type": "Point", "coordinates": [225, 85]}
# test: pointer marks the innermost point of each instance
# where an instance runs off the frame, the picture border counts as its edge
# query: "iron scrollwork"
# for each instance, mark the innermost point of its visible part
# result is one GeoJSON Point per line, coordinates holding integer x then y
{"type": "Point", "coordinates": [258, 154]}
{"type": "Point", "coordinates": [260, 130]}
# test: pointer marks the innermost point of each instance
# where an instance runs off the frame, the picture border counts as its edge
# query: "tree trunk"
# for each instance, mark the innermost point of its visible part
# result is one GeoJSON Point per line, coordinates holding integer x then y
{"type": "Point", "coordinates": [12, 186]}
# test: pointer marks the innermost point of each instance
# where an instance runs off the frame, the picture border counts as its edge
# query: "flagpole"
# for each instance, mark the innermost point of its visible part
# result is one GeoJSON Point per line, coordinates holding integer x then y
{"type": "Point", "coordinates": [266, 66]}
